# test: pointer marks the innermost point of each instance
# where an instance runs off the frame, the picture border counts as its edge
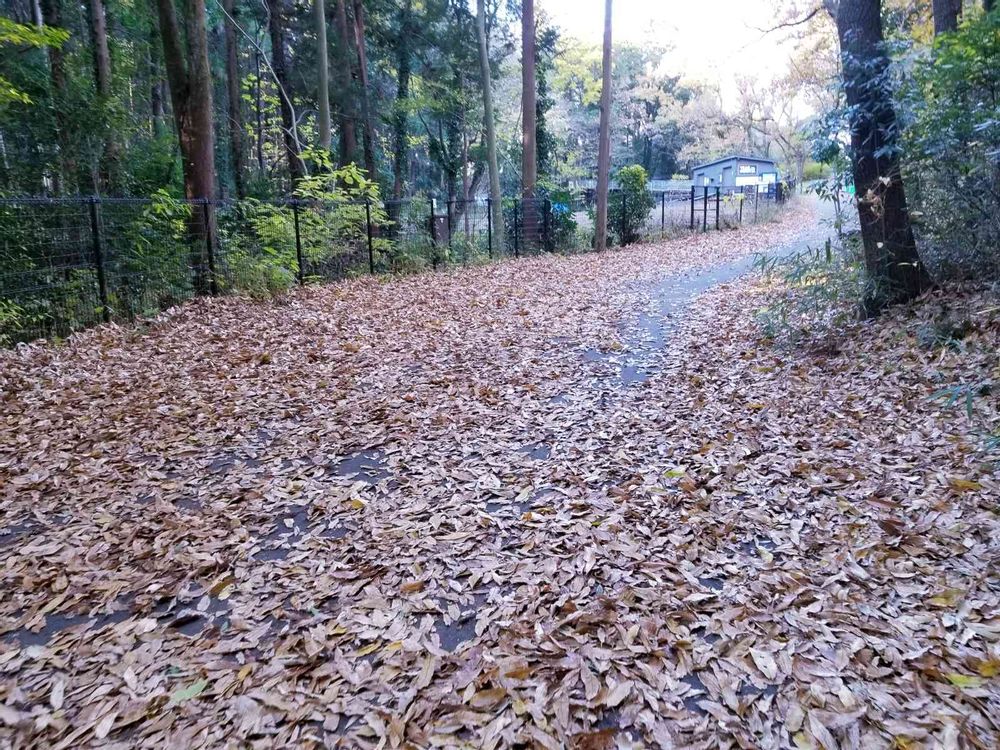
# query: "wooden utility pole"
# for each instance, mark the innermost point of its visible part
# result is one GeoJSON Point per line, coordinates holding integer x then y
{"type": "Point", "coordinates": [604, 144]}
{"type": "Point", "coordinates": [529, 155]}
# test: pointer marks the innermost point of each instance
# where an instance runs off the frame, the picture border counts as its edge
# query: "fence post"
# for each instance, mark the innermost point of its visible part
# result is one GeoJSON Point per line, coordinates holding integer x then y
{"type": "Point", "coordinates": [624, 226]}
{"type": "Point", "coordinates": [433, 231]}
{"type": "Point", "coordinates": [368, 226]}
{"type": "Point", "coordinates": [546, 225]}
{"type": "Point", "coordinates": [663, 212]}
{"type": "Point", "coordinates": [718, 200]}
{"type": "Point", "coordinates": [489, 228]}
{"type": "Point", "coordinates": [756, 203]}
{"type": "Point", "coordinates": [213, 284]}
{"type": "Point", "coordinates": [692, 208]}
{"type": "Point", "coordinates": [298, 242]}
{"type": "Point", "coordinates": [517, 251]}
{"type": "Point", "coordinates": [704, 210]}
{"type": "Point", "coordinates": [102, 281]}
{"type": "Point", "coordinates": [448, 206]}
{"type": "Point", "coordinates": [743, 197]}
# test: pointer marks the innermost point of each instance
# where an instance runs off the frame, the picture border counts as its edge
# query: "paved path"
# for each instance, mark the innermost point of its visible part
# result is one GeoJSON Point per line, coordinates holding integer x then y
{"type": "Point", "coordinates": [671, 297]}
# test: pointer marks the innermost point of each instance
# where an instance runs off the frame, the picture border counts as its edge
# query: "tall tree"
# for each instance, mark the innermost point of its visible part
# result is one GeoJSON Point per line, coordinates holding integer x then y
{"type": "Point", "coordinates": [97, 18]}
{"type": "Point", "coordinates": [279, 66]}
{"type": "Point", "coordinates": [891, 258]}
{"type": "Point", "coordinates": [66, 173]}
{"type": "Point", "coordinates": [529, 155]}
{"type": "Point", "coordinates": [399, 115]}
{"type": "Point", "coordinates": [604, 145]}
{"type": "Point", "coordinates": [489, 125]}
{"type": "Point", "coordinates": [345, 93]}
{"type": "Point", "coordinates": [946, 13]}
{"type": "Point", "coordinates": [190, 82]}
{"type": "Point", "coordinates": [156, 112]}
{"type": "Point", "coordinates": [368, 132]}
{"type": "Point", "coordinates": [323, 69]}
{"type": "Point", "coordinates": [99, 42]}
{"type": "Point", "coordinates": [234, 99]}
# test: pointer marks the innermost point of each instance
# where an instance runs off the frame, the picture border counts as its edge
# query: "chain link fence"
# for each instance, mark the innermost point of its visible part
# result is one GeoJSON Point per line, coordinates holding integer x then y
{"type": "Point", "coordinates": [66, 264]}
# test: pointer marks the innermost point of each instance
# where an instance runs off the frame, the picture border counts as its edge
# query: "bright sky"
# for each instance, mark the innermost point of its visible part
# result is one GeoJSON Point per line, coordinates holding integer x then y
{"type": "Point", "coordinates": [709, 40]}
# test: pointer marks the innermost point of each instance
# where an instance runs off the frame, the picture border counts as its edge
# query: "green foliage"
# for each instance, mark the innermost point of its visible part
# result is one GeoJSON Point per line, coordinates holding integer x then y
{"type": "Point", "coordinates": [951, 113]}
{"type": "Point", "coordinates": [816, 292]}
{"type": "Point", "coordinates": [22, 35]}
{"type": "Point", "coordinates": [830, 152]}
{"type": "Point", "coordinates": [11, 321]}
{"type": "Point", "coordinates": [816, 171]}
{"type": "Point", "coordinates": [629, 205]}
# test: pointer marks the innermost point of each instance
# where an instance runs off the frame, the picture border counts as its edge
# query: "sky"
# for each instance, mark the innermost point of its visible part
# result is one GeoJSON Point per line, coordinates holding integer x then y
{"type": "Point", "coordinates": [710, 40]}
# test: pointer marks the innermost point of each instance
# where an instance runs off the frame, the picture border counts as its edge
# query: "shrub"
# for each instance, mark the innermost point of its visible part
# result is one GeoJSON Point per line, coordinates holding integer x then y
{"type": "Point", "coordinates": [629, 205]}
{"type": "Point", "coordinates": [951, 139]}
{"type": "Point", "coordinates": [562, 221]}
{"type": "Point", "coordinates": [819, 290]}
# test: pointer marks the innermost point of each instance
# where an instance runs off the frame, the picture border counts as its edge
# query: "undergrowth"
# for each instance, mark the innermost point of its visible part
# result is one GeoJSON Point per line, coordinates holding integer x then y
{"type": "Point", "coordinates": [816, 293]}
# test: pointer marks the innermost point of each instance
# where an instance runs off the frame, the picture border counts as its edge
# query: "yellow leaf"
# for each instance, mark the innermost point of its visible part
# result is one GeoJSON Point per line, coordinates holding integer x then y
{"type": "Point", "coordinates": [412, 587]}
{"type": "Point", "coordinates": [519, 673]}
{"type": "Point", "coordinates": [989, 667]}
{"type": "Point", "coordinates": [488, 698]}
{"type": "Point", "coordinates": [222, 584]}
{"type": "Point", "coordinates": [947, 598]}
{"type": "Point", "coordinates": [369, 649]}
{"type": "Point", "coordinates": [394, 646]}
{"type": "Point", "coordinates": [357, 504]}
{"type": "Point", "coordinates": [964, 485]}
{"type": "Point", "coordinates": [963, 680]}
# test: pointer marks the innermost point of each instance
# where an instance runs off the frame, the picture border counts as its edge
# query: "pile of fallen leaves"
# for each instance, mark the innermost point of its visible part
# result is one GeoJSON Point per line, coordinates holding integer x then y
{"type": "Point", "coordinates": [431, 512]}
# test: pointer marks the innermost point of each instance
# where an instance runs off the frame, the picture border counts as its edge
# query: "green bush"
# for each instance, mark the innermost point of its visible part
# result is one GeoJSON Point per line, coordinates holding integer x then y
{"type": "Point", "coordinates": [951, 140]}
{"type": "Point", "coordinates": [562, 225]}
{"type": "Point", "coordinates": [629, 205]}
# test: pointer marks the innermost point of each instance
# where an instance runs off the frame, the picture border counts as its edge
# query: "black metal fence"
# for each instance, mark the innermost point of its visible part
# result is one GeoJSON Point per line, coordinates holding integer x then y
{"type": "Point", "coordinates": [66, 264]}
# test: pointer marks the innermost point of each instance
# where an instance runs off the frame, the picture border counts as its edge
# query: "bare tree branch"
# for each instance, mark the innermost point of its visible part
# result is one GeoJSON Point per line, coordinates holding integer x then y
{"type": "Point", "coordinates": [790, 24]}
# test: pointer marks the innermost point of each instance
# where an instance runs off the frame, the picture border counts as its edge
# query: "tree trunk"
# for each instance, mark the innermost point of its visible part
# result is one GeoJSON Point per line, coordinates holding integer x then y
{"type": "Point", "coordinates": [190, 81]}
{"type": "Point", "coordinates": [465, 177]}
{"type": "Point", "coordinates": [259, 113]}
{"type": "Point", "coordinates": [323, 65]}
{"type": "Point", "coordinates": [496, 204]}
{"type": "Point", "coordinates": [99, 40]}
{"type": "Point", "coordinates": [946, 13]}
{"type": "Point", "coordinates": [65, 177]}
{"type": "Point", "coordinates": [345, 96]}
{"type": "Point", "coordinates": [97, 19]}
{"type": "Point", "coordinates": [279, 66]}
{"type": "Point", "coordinates": [604, 143]}
{"type": "Point", "coordinates": [894, 268]}
{"type": "Point", "coordinates": [156, 112]}
{"type": "Point", "coordinates": [402, 94]}
{"type": "Point", "coordinates": [366, 113]}
{"type": "Point", "coordinates": [236, 148]}
{"type": "Point", "coordinates": [529, 155]}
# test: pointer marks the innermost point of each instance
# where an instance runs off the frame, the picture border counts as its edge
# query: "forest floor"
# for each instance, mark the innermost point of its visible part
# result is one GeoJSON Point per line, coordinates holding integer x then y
{"type": "Point", "coordinates": [547, 503]}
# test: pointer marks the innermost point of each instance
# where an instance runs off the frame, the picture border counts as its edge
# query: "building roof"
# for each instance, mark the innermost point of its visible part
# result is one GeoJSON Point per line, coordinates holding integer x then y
{"type": "Point", "coordinates": [741, 157]}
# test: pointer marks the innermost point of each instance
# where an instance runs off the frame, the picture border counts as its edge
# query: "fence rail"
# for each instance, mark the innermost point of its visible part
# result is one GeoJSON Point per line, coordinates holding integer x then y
{"type": "Point", "coordinates": [68, 263]}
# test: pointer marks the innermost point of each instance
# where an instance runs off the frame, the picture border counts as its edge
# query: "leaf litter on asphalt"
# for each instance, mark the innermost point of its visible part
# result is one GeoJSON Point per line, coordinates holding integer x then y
{"type": "Point", "coordinates": [416, 512]}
